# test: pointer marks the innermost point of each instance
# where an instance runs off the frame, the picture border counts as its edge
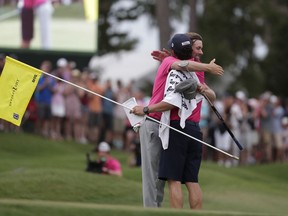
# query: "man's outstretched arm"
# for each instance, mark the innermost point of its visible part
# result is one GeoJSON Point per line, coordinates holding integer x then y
{"type": "Point", "coordinates": [189, 65]}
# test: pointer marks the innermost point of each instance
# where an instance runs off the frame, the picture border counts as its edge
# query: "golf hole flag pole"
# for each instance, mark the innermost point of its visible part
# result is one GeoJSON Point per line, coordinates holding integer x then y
{"type": "Point", "coordinates": [17, 82]}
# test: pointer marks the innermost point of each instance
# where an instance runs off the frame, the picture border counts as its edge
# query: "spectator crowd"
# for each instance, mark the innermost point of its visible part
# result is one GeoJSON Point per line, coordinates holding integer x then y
{"type": "Point", "coordinates": [259, 124]}
{"type": "Point", "coordinates": [60, 111]}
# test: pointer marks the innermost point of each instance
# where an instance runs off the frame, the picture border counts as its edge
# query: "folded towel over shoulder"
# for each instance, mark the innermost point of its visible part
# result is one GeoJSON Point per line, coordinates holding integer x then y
{"type": "Point", "coordinates": [180, 91]}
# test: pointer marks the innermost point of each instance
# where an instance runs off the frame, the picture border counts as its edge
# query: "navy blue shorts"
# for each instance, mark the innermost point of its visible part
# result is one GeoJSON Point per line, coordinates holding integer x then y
{"type": "Point", "coordinates": [182, 160]}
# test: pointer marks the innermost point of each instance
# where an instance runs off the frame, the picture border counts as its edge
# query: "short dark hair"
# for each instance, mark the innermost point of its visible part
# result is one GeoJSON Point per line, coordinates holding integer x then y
{"type": "Point", "coordinates": [184, 54]}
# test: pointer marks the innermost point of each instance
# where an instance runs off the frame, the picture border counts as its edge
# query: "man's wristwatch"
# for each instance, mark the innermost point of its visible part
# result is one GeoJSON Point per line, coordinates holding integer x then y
{"type": "Point", "coordinates": [146, 110]}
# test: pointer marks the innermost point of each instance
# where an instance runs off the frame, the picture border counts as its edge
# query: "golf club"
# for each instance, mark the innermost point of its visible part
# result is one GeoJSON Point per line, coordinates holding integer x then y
{"type": "Point", "coordinates": [223, 122]}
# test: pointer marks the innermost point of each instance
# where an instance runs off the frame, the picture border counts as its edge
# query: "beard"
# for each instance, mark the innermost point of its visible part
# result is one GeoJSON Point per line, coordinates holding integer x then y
{"type": "Point", "coordinates": [196, 58]}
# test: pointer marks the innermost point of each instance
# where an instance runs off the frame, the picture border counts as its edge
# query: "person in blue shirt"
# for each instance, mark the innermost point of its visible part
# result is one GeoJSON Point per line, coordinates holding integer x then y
{"type": "Point", "coordinates": [44, 93]}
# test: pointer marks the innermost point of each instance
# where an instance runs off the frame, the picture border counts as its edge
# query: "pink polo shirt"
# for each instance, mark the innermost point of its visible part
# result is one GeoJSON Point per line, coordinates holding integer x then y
{"type": "Point", "coordinates": [112, 164]}
{"type": "Point", "coordinates": [159, 87]}
{"type": "Point", "coordinates": [33, 3]}
{"type": "Point", "coordinates": [159, 84]}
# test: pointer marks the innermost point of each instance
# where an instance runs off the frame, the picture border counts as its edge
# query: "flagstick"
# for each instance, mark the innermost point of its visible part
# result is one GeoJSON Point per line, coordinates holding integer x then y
{"type": "Point", "coordinates": [232, 156]}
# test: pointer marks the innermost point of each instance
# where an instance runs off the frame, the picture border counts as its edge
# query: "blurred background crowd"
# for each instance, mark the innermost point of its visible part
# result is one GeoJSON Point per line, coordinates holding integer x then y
{"type": "Point", "coordinates": [61, 111]}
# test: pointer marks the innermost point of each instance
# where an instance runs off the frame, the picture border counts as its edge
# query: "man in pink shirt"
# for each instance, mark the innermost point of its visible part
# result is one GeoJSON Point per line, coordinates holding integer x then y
{"type": "Point", "coordinates": [153, 188]}
{"type": "Point", "coordinates": [44, 10]}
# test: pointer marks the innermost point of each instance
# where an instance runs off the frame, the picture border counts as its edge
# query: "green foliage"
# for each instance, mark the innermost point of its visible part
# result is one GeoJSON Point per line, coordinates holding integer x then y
{"type": "Point", "coordinates": [275, 65]}
{"type": "Point", "coordinates": [229, 29]}
{"type": "Point", "coordinates": [111, 39]}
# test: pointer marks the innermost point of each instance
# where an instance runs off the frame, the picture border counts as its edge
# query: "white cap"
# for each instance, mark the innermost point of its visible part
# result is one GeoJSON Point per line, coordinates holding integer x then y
{"type": "Point", "coordinates": [62, 62]}
{"type": "Point", "coordinates": [253, 102]}
{"type": "Point", "coordinates": [103, 147]}
{"type": "Point", "coordinates": [240, 95]}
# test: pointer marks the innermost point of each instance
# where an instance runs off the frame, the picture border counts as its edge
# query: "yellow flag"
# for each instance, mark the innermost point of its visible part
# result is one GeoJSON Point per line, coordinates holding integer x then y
{"type": "Point", "coordinates": [17, 82]}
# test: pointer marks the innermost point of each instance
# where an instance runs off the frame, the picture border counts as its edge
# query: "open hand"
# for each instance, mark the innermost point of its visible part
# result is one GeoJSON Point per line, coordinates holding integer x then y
{"type": "Point", "coordinates": [215, 69]}
{"type": "Point", "coordinates": [202, 88]}
{"type": "Point", "coordinates": [160, 55]}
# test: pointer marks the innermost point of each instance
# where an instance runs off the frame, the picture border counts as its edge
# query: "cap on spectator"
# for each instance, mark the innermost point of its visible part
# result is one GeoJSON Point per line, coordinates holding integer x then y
{"type": "Point", "coordinates": [253, 103]}
{"type": "Point", "coordinates": [62, 62]}
{"type": "Point", "coordinates": [180, 43]}
{"type": "Point", "coordinates": [240, 95]}
{"type": "Point", "coordinates": [104, 147]}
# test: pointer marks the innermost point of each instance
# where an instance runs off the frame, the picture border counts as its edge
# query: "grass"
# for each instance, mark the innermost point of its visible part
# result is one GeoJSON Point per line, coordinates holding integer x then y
{"type": "Point", "coordinates": [36, 174]}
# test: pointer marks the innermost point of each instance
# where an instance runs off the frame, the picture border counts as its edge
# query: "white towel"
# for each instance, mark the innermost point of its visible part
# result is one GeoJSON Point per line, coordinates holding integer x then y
{"type": "Point", "coordinates": [185, 106]}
